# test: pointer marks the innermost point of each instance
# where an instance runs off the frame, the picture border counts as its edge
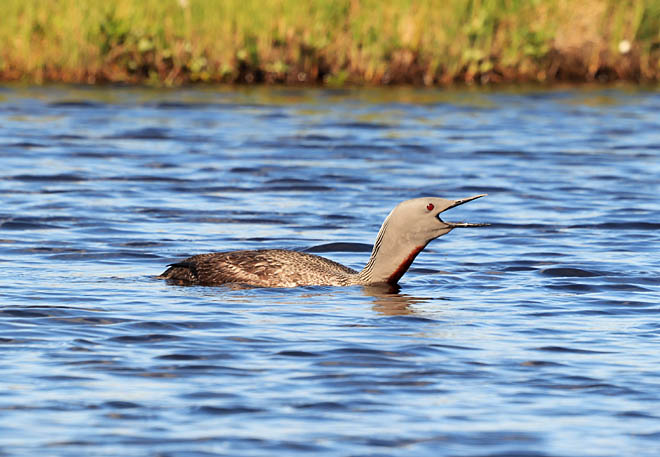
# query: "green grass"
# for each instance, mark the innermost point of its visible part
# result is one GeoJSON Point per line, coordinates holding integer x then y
{"type": "Point", "coordinates": [170, 42]}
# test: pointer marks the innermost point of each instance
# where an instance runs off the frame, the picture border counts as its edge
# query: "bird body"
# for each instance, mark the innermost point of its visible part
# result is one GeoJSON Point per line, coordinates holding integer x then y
{"type": "Point", "coordinates": [406, 231]}
{"type": "Point", "coordinates": [261, 268]}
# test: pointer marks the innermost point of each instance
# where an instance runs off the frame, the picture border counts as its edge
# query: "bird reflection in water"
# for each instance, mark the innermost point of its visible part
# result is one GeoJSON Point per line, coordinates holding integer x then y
{"type": "Point", "coordinates": [388, 300]}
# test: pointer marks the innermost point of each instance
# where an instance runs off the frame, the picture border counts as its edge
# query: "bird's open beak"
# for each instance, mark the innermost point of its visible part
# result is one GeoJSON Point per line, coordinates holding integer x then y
{"type": "Point", "coordinates": [458, 203]}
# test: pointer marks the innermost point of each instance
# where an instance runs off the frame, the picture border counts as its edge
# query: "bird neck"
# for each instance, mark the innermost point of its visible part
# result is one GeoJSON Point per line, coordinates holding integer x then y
{"type": "Point", "coordinates": [390, 258]}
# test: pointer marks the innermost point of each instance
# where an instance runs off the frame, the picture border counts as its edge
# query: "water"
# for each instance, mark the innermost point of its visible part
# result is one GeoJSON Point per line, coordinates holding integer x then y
{"type": "Point", "coordinates": [536, 336]}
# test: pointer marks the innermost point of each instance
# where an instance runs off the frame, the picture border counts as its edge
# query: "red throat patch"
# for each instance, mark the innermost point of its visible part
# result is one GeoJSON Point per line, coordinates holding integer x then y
{"type": "Point", "coordinates": [403, 267]}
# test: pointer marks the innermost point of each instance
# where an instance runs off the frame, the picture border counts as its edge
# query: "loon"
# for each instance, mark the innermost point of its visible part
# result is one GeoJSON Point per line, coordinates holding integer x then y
{"type": "Point", "coordinates": [406, 231]}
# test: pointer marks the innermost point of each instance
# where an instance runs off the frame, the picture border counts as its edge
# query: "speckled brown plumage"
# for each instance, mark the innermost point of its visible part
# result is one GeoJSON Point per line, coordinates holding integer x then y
{"type": "Point", "coordinates": [261, 268]}
{"type": "Point", "coordinates": [406, 231]}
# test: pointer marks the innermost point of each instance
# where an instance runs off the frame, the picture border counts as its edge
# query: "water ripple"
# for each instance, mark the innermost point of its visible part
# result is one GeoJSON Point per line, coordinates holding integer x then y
{"type": "Point", "coordinates": [536, 336]}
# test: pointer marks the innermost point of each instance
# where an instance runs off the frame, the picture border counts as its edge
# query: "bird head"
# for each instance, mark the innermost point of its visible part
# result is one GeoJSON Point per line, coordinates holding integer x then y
{"type": "Point", "coordinates": [419, 219]}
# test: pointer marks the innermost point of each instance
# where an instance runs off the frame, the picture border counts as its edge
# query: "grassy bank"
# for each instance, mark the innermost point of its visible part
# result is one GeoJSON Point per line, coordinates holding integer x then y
{"type": "Point", "coordinates": [430, 42]}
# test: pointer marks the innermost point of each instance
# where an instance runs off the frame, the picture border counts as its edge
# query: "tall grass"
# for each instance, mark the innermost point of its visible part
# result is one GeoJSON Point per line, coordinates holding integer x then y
{"type": "Point", "coordinates": [170, 42]}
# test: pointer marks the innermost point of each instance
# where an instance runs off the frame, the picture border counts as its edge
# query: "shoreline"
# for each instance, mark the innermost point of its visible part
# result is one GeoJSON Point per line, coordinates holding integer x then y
{"type": "Point", "coordinates": [570, 76]}
{"type": "Point", "coordinates": [344, 43]}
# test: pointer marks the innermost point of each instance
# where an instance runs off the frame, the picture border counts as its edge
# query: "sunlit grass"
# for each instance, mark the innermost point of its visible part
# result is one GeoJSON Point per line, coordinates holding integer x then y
{"type": "Point", "coordinates": [360, 41]}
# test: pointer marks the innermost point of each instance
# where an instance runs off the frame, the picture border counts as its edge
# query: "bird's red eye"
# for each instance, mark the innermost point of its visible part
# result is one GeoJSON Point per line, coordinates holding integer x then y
{"type": "Point", "coordinates": [430, 207]}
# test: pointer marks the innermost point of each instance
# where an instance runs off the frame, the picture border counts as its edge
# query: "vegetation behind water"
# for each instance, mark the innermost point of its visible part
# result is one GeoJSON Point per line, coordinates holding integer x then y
{"type": "Point", "coordinates": [430, 42]}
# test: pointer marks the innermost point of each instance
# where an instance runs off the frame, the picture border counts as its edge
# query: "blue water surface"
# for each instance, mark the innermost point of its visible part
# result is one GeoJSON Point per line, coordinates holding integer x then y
{"type": "Point", "coordinates": [536, 336]}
